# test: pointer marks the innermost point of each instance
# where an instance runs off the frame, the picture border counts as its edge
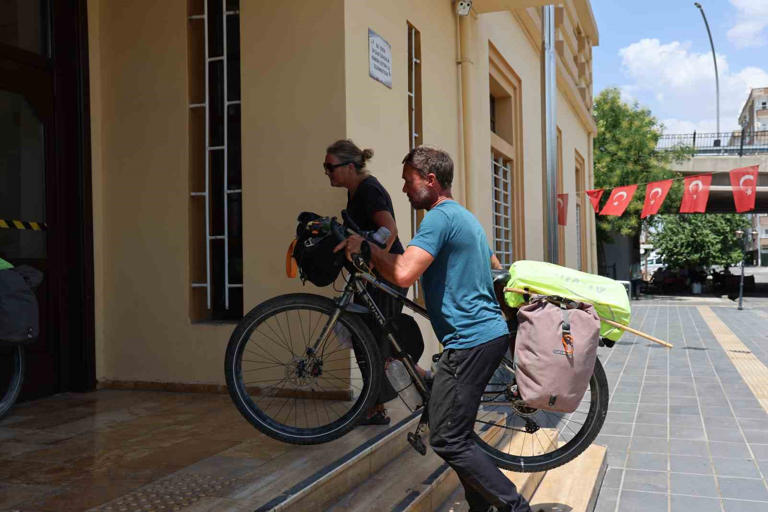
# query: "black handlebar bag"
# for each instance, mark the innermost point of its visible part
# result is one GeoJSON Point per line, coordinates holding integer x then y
{"type": "Point", "coordinates": [19, 315]}
{"type": "Point", "coordinates": [313, 251]}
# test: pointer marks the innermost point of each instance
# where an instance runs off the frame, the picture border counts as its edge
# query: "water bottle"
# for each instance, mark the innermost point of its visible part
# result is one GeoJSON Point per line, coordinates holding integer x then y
{"type": "Point", "coordinates": [402, 383]}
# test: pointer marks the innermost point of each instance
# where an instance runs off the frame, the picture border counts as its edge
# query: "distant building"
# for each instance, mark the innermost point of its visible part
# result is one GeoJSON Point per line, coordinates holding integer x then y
{"type": "Point", "coordinates": [754, 115]}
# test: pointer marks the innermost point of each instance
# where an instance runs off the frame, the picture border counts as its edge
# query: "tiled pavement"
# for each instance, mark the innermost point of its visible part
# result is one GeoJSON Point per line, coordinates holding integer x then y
{"type": "Point", "coordinates": [684, 432]}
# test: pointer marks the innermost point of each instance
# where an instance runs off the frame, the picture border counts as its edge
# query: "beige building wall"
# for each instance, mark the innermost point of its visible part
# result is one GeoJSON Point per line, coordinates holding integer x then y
{"type": "Point", "coordinates": [377, 116]}
{"type": "Point", "coordinates": [305, 83]}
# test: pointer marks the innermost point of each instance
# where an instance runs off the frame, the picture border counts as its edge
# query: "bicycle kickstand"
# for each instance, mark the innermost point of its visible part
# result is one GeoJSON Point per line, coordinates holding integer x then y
{"type": "Point", "coordinates": [414, 438]}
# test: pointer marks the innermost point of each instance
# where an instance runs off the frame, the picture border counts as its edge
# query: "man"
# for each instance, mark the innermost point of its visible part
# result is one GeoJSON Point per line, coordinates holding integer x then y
{"type": "Point", "coordinates": [450, 250]}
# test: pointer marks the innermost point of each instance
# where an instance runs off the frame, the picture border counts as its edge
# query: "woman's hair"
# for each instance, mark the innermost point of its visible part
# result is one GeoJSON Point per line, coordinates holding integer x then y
{"type": "Point", "coordinates": [347, 151]}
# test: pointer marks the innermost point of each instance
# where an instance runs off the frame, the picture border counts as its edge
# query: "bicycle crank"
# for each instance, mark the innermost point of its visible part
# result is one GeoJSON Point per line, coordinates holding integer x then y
{"type": "Point", "coordinates": [415, 441]}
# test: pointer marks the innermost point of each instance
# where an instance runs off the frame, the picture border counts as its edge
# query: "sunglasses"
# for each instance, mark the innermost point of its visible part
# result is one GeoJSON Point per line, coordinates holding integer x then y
{"type": "Point", "coordinates": [331, 167]}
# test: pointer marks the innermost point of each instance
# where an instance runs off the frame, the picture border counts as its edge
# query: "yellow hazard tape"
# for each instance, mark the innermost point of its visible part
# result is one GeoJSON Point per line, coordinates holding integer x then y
{"type": "Point", "coordinates": [23, 224]}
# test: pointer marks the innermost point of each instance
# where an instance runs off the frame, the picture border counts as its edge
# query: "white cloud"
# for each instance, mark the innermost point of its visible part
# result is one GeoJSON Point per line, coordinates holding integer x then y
{"type": "Point", "coordinates": [678, 84]}
{"type": "Point", "coordinates": [751, 23]}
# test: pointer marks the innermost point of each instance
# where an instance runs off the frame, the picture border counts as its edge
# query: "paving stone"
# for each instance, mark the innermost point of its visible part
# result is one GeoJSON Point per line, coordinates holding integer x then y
{"type": "Point", "coordinates": [644, 430]}
{"type": "Point", "coordinates": [693, 485]}
{"type": "Point", "coordinates": [731, 450]}
{"type": "Point", "coordinates": [634, 501]}
{"type": "Point", "coordinates": [760, 451]}
{"type": "Point", "coordinates": [652, 419]}
{"type": "Point", "coordinates": [743, 488]}
{"type": "Point", "coordinates": [686, 447]}
{"type": "Point", "coordinates": [606, 500]}
{"type": "Point", "coordinates": [690, 464]}
{"type": "Point", "coordinates": [622, 407]}
{"type": "Point", "coordinates": [617, 429]}
{"type": "Point", "coordinates": [651, 461]}
{"type": "Point", "coordinates": [612, 478]}
{"type": "Point", "coordinates": [643, 444]}
{"type": "Point", "coordinates": [752, 424]}
{"type": "Point", "coordinates": [619, 417]}
{"type": "Point", "coordinates": [745, 506]}
{"type": "Point", "coordinates": [693, 434]}
{"type": "Point", "coordinates": [724, 434]}
{"type": "Point", "coordinates": [757, 436]}
{"type": "Point", "coordinates": [694, 503]}
{"type": "Point", "coordinates": [735, 467]}
{"type": "Point", "coordinates": [637, 480]}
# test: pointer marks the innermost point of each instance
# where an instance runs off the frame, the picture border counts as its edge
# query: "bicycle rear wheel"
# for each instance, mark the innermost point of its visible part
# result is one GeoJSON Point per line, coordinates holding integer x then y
{"type": "Point", "coordinates": [11, 376]}
{"type": "Point", "coordinates": [291, 391]}
{"type": "Point", "coordinates": [533, 440]}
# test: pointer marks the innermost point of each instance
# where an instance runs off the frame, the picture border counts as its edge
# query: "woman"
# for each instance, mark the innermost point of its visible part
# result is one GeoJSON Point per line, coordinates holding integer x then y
{"type": "Point", "coordinates": [370, 207]}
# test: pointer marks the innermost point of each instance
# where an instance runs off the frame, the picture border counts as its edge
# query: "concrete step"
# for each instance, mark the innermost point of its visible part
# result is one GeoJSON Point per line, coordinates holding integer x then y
{"type": "Point", "coordinates": [572, 487]}
{"type": "Point", "coordinates": [409, 483]}
{"type": "Point", "coordinates": [334, 480]}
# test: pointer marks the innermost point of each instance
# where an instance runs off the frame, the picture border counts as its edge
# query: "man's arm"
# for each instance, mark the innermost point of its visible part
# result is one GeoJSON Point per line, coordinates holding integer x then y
{"type": "Point", "coordinates": [495, 263]}
{"type": "Point", "coordinates": [399, 269]}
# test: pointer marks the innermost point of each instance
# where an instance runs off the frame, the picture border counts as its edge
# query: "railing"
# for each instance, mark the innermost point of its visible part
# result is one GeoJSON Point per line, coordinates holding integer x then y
{"type": "Point", "coordinates": [724, 143]}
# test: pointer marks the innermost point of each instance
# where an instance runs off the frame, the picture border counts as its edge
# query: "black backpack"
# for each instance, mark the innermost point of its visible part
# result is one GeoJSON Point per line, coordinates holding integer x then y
{"type": "Point", "coordinates": [313, 251]}
{"type": "Point", "coordinates": [19, 316]}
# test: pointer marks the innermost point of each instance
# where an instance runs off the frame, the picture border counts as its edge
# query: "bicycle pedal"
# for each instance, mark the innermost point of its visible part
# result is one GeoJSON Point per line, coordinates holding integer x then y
{"type": "Point", "coordinates": [417, 443]}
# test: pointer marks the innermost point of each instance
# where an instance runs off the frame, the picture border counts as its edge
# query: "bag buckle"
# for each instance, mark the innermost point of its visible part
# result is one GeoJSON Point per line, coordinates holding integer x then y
{"type": "Point", "coordinates": [567, 340]}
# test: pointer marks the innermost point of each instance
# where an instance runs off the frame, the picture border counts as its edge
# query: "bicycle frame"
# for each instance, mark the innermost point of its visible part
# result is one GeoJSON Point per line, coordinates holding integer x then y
{"type": "Point", "coordinates": [356, 285]}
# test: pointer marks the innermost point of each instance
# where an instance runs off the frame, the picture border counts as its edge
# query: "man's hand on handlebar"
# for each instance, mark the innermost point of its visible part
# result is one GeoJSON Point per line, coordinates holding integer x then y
{"type": "Point", "coordinates": [355, 247]}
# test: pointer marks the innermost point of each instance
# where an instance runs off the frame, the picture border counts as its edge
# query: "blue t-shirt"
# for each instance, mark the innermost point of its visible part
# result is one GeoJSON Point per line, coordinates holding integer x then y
{"type": "Point", "coordinates": [458, 286]}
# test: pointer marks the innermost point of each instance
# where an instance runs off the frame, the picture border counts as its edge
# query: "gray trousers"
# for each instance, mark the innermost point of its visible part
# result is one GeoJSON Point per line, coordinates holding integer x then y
{"type": "Point", "coordinates": [458, 386]}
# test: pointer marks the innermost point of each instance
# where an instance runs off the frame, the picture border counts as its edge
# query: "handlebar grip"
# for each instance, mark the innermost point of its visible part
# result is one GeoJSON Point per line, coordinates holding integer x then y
{"type": "Point", "coordinates": [349, 222]}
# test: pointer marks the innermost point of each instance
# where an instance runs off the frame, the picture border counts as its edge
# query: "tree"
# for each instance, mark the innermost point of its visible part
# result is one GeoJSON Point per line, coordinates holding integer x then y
{"type": "Point", "coordinates": [686, 241]}
{"type": "Point", "coordinates": [625, 154]}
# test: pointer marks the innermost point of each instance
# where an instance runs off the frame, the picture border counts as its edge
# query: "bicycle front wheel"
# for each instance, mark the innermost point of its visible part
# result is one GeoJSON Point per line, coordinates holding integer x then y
{"type": "Point", "coordinates": [293, 382]}
{"type": "Point", "coordinates": [11, 376]}
{"type": "Point", "coordinates": [532, 440]}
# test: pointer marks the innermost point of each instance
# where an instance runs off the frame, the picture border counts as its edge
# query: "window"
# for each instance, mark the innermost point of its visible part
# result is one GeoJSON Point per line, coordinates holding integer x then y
{"type": "Point", "coordinates": [502, 209]}
{"type": "Point", "coordinates": [215, 211]}
{"type": "Point", "coordinates": [507, 191]}
{"type": "Point", "coordinates": [415, 137]}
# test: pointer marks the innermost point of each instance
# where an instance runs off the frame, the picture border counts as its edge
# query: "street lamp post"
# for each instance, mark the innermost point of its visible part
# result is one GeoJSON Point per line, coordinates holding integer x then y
{"type": "Point", "coordinates": [717, 80]}
{"type": "Point", "coordinates": [741, 235]}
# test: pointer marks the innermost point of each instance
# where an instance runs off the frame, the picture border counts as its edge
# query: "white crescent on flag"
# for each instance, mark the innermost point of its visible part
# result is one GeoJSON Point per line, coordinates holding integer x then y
{"type": "Point", "coordinates": [693, 184]}
{"type": "Point", "coordinates": [559, 202]}
{"type": "Point", "coordinates": [745, 178]}
{"type": "Point", "coordinates": [653, 193]}
{"type": "Point", "coordinates": [616, 200]}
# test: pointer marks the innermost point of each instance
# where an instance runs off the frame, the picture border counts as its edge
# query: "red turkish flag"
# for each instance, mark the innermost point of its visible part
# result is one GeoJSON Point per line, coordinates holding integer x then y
{"type": "Point", "coordinates": [655, 193]}
{"type": "Point", "coordinates": [562, 209]}
{"type": "Point", "coordinates": [744, 185]}
{"type": "Point", "coordinates": [619, 200]}
{"type": "Point", "coordinates": [696, 194]}
{"type": "Point", "coordinates": [594, 197]}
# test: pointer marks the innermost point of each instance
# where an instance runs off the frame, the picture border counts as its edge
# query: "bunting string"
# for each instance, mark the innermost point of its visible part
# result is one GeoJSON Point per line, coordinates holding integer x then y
{"type": "Point", "coordinates": [695, 194]}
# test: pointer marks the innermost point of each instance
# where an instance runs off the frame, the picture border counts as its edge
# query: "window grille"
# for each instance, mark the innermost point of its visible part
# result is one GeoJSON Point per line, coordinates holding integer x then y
{"type": "Point", "coordinates": [501, 170]}
{"type": "Point", "coordinates": [215, 104]}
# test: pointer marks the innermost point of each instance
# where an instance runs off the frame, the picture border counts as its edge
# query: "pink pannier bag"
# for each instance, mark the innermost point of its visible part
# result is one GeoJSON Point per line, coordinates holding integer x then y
{"type": "Point", "coordinates": [555, 352]}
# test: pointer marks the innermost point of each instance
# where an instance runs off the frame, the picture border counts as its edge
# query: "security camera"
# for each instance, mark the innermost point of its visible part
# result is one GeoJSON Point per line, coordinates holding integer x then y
{"type": "Point", "coordinates": [463, 7]}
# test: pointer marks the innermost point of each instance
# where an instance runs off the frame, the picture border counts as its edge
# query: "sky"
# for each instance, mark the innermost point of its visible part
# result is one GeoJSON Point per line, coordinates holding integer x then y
{"type": "Point", "coordinates": [657, 53]}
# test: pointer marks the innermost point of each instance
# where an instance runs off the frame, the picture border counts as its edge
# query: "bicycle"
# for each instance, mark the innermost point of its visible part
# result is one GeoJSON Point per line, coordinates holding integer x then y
{"type": "Point", "coordinates": [11, 358]}
{"type": "Point", "coordinates": [298, 377]}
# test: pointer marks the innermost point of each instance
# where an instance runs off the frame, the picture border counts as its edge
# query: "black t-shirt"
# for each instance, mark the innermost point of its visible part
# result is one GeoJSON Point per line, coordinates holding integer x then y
{"type": "Point", "coordinates": [370, 197]}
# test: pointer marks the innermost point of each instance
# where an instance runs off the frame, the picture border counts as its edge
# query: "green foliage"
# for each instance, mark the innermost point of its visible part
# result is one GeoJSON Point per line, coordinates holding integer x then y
{"type": "Point", "coordinates": [699, 239]}
{"type": "Point", "coordinates": [625, 154]}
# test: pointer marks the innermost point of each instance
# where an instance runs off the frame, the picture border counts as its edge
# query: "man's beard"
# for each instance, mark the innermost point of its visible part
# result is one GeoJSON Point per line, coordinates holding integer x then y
{"type": "Point", "coordinates": [422, 200]}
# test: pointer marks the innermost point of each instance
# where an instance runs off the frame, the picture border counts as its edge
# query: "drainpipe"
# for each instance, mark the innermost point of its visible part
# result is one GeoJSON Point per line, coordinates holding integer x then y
{"type": "Point", "coordinates": [549, 125]}
{"type": "Point", "coordinates": [465, 64]}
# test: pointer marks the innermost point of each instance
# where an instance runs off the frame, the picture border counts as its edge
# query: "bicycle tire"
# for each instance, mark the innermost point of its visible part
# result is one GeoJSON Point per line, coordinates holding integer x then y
{"type": "Point", "coordinates": [593, 422]}
{"type": "Point", "coordinates": [11, 393]}
{"type": "Point", "coordinates": [305, 385]}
